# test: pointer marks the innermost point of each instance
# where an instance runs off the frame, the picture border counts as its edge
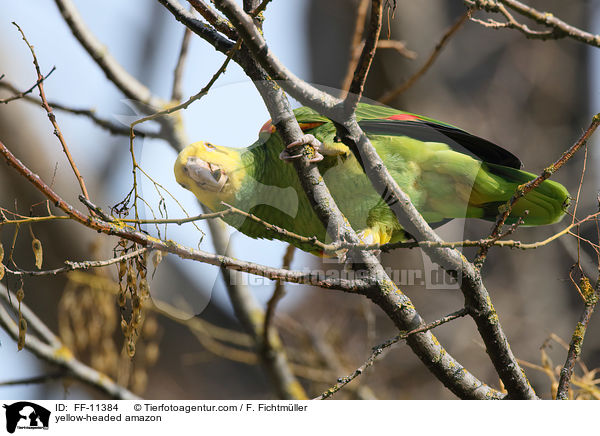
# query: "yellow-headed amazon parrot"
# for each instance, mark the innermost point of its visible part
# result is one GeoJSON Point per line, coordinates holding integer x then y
{"type": "Point", "coordinates": [447, 173]}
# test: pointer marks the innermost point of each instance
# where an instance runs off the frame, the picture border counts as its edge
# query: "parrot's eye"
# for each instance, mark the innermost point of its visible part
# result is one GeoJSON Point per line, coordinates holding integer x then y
{"type": "Point", "coordinates": [209, 146]}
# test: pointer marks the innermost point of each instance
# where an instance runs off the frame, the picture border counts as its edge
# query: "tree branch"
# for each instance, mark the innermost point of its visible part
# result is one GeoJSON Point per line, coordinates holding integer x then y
{"type": "Point", "coordinates": [377, 350]}
{"type": "Point", "coordinates": [21, 94]}
{"type": "Point", "coordinates": [591, 298]}
{"type": "Point", "coordinates": [476, 296]}
{"type": "Point", "coordinates": [385, 293]}
{"type": "Point", "coordinates": [56, 353]}
{"type": "Point", "coordinates": [357, 85]}
{"type": "Point", "coordinates": [150, 242]}
{"type": "Point", "coordinates": [558, 28]}
{"type": "Point", "coordinates": [531, 185]}
{"type": "Point", "coordinates": [391, 95]}
{"type": "Point", "coordinates": [52, 117]}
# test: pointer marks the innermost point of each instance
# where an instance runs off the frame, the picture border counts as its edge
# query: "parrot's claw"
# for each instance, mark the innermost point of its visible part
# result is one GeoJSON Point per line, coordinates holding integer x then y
{"type": "Point", "coordinates": [307, 139]}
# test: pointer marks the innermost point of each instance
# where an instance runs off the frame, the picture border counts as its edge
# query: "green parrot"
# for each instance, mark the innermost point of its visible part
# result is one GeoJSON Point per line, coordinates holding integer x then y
{"type": "Point", "coordinates": [447, 173]}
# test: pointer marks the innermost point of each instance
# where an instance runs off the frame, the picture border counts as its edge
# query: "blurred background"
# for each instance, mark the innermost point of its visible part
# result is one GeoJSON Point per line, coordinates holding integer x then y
{"type": "Point", "coordinates": [531, 97]}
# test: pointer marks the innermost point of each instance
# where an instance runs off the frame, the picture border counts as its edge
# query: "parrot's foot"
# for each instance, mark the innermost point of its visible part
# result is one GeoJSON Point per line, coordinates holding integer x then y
{"type": "Point", "coordinates": [307, 139]}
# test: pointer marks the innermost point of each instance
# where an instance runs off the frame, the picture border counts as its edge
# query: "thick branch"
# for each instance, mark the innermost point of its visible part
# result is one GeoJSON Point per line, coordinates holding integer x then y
{"type": "Point", "coordinates": [476, 295]}
{"type": "Point", "coordinates": [384, 293]}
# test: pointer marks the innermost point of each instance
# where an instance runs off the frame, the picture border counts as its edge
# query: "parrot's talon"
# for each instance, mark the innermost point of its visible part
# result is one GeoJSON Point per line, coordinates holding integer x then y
{"type": "Point", "coordinates": [285, 155]}
{"type": "Point", "coordinates": [307, 139]}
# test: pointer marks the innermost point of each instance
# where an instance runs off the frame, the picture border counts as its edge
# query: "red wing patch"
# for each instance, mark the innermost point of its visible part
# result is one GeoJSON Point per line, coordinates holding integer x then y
{"type": "Point", "coordinates": [403, 117]}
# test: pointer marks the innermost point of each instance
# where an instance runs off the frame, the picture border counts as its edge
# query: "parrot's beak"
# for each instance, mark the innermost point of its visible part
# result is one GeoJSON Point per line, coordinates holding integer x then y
{"type": "Point", "coordinates": [208, 176]}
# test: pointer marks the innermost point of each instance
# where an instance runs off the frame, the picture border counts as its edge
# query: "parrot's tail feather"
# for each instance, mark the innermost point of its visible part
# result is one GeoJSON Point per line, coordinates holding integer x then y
{"type": "Point", "coordinates": [546, 204]}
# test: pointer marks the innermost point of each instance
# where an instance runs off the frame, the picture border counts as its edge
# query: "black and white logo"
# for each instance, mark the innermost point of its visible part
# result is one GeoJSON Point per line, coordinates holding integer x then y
{"type": "Point", "coordinates": [26, 415]}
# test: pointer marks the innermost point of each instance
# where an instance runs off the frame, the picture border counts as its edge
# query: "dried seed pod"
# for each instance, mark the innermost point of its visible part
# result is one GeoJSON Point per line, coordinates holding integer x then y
{"type": "Point", "coordinates": [131, 348]}
{"type": "Point", "coordinates": [1, 271]}
{"type": "Point", "coordinates": [122, 269]}
{"type": "Point", "coordinates": [130, 278]}
{"type": "Point", "coordinates": [156, 258]}
{"type": "Point", "coordinates": [20, 294]}
{"type": "Point", "coordinates": [144, 289]}
{"type": "Point", "coordinates": [37, 252]}
{"type": "Point", "coordinates": [1, 252]}
{"type": "Point", "coordinates": [136, 302]}
{"type": "Point", "coordinates": [121, 298]}
{"type": "Point", "coordinates": [124, 327]}
{"type": "Point", "coordinates": [22, 332]}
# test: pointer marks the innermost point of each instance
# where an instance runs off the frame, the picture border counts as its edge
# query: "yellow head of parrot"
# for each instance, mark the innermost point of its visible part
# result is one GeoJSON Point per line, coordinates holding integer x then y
{"type": "Point", "coordinates": [210, 171]}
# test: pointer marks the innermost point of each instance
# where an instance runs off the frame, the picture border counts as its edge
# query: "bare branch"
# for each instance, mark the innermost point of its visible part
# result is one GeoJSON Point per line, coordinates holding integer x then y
{"type": "Point", "coordinates": [557, 28]}
{"type": "Point", "coordinates": [394, 303]}
{"type": "Point", "coordinates": [278, 294]}
{"type": "Point", "coordinates": [52, 117]}
{"type": "Point", "coordinates": [56, 353]}
{"type": "Point", "coordinates": [399, 46]}
{"type": "Point", "coordinates": [356, 44]}
{"type": "Point", "coordinates": [176, 91]}
{"type": "Point", "coordinates": [381, 347]}
{"type": "Point", "coordinates": [391, 95]}
{"type": "Point", "coordinates": [214, 18]}
{"type": "Point", "coordinates": [72, 266]}
{"type": "Point", "coordinates": [18, 95]}
{"type": "Point", "coordinates": [357, 85]}
{"type": "Point", "coordinates": [107, 125]}
{"type": "Point", "coordinates": [529, 186]}
{"type": "Point", "coordinates": [149, 242]}
{"type": "Point", "coordinates": [271, 353]}
{"type": "Point", "coordinates": [591, 297]}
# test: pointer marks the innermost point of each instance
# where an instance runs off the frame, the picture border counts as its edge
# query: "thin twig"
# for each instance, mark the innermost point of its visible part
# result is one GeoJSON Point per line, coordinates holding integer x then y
{"type": "Point", "coordinates": [315, 279]}
{"type": "Point", "coordinates": [214, 18]}
{"type": "Point", "coordinates": [356, 44]}
{"type": "Point", "coordinates": [399, 46]}
{"type": "Point", "coordinates": [381, 347]}
{"type": "Point", "coordinates": [52, 117]}
{"type": "Point", "coordinates": [83, 265]}
{"type": "Point", "coordinates": [591, 297]}
{"type": "Point", "coordinates": [363, 66]}
{"type": "Point", "coordinates": [391, 95]}
{"type": "Point", "coordinates": [522, 190]}
{"type": "Point", "coordinates": [19, 95]}
{"type": "Point", "coordinates": [278, 294]}
{"type": "Point", "coordinates": [107, 125]}
{"type": "Point", "coordinates": [194, 97]}
{"type": "Point", "coordinates": [176, 91]}
{"type": "Point", "coordinates": [557, 28]}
